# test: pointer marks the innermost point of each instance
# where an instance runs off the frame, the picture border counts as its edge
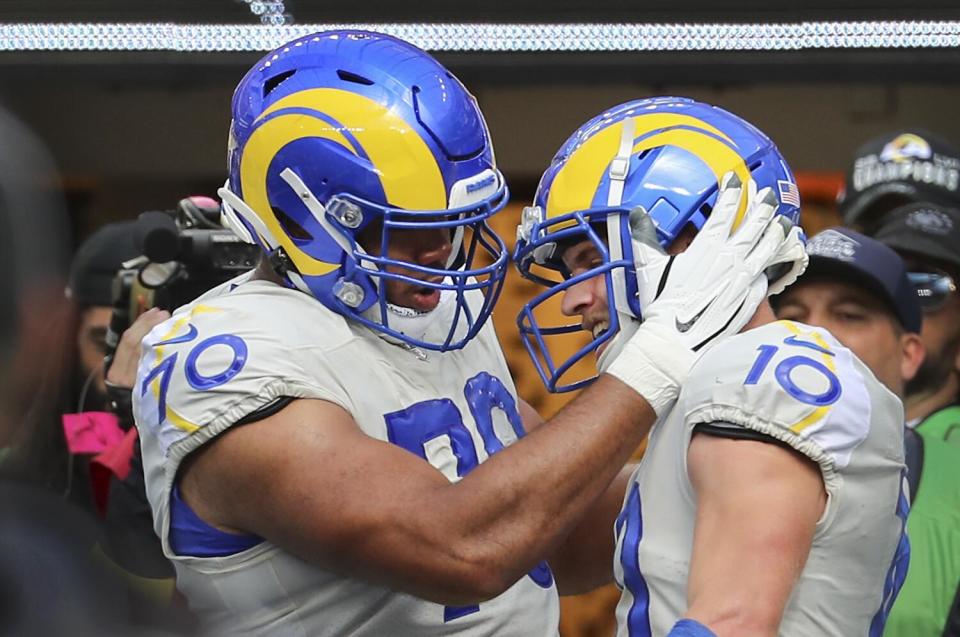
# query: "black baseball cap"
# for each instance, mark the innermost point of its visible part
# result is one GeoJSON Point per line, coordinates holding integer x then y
{"type": "Point", "coordinates": [925, 230]}
{"type": "Point", "coordinates": [907, 166]}
{"type": "Point", "coordinates": [846, 255]}
{"type": "Point", "coordinates": [97, 262]}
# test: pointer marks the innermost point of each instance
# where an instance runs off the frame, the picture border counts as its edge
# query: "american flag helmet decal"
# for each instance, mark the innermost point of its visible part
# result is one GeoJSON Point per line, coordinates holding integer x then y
{"type": "Point", "coordinates": [789, 193]}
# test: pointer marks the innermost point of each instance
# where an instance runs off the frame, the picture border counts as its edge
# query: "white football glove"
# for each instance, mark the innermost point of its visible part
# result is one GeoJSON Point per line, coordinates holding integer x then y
{"type": "Point", "coordinates": [710, 290]}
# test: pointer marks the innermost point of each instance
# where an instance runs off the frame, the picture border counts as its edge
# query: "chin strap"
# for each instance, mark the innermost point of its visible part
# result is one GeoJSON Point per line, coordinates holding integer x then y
{"type": "Point", "coordinates": [432, 326]}
{"type": "Point", "coordinates": [233, 209]}
{"type": "Point", "coordinates": [643, 235]}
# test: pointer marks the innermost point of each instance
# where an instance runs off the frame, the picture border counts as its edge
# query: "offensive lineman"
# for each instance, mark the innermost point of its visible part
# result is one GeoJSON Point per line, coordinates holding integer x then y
{"type": "Point", "coordinates": [769, 500]}
{"type": "Point", "coordinates": [331, 445]}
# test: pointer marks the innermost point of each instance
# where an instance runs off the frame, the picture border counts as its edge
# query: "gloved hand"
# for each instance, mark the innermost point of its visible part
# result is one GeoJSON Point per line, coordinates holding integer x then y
{"type": "Point", "coordinates": [710, 290]}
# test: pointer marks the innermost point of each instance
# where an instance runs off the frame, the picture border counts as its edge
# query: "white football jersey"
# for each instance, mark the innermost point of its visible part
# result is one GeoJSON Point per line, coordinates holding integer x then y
{"type": "Point", "coordinates": [798, 385]}
{"type": "Point", "coordinates": [248, 343]}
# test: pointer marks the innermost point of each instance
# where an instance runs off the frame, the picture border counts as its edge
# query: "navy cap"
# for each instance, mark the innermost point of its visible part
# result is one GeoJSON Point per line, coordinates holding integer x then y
{"type": "Point", "coordinates": [843, 254]}
{"type": "Point", "coordinates": [97, 262]}
{"type": "Point", "coordinates": [907, 166]}
{"type": "Point", "coordinates": [928, 231]}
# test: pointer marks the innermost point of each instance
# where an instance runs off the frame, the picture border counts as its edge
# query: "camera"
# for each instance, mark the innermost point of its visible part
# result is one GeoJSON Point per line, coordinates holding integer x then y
{"type": "Point", "coordinates": [185, 252]}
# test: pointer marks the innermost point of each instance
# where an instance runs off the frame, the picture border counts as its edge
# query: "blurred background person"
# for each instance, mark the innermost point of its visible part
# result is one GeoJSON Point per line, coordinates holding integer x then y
{"type": "Point", "coordinates": [859, 290]}
{"type": "Point", "coordinates": [927, 237]}
{"type": "Point", "coordinates": [73, 381]}
{"type": "Point", "coordinates": [71, 442]}
{"type": "Point", "coordinates": [50, 583]}
{"type": "Point", "coordinates": [907, 166]}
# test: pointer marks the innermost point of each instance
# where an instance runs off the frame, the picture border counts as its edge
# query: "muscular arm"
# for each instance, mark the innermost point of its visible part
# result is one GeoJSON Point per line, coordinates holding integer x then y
{"type": "Point", "coordinates": [757, 508]}
{"type": "Point", "coordinates": [583, 561]}
{"type": "Point", "coordinates": [308, 480]}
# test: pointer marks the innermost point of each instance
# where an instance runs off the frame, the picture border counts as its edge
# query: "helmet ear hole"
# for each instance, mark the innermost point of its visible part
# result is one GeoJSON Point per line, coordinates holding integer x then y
{"type": "Point", "coordinates": [275, 81]}
{"type": "Point", "coordinates": [348, 76]}
{"type": "Point", "coordinates": [290, 226]}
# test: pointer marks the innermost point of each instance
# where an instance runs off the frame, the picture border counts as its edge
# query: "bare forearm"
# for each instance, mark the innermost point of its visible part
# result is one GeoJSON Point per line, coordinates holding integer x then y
{"type": "Point", "coordinates": [583, 560]}
{"type": "Point", "coordinates": [518, 507]}
{"type": "Point", "coordinates": [390, 518]}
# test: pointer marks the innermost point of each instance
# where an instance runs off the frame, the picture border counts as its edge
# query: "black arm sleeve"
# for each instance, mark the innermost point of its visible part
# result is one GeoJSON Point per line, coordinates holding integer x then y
{"type": "Point", "coordinates": [736, 432]}
{"type": "Point", "coordinates": [913, 455]}
{"type": "Point", "coordinates": [952, 627]}
{"type": "Point", "coordinates": [267, 410]}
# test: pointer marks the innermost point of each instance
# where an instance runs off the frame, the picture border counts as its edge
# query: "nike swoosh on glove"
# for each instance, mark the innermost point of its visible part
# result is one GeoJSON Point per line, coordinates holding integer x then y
{"type": "Point", "coordinates": [709, 291]}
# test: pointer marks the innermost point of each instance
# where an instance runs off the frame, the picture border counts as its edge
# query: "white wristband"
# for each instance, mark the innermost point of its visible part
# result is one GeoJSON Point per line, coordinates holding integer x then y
{"type": "Point", "coordinates": [654, 364]}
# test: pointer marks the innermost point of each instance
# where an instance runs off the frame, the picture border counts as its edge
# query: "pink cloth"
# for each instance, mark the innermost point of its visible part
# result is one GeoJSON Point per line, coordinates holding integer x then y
{"type": "Point", "coordinates": [91, 432]}
{"type": "Point", "coordinates": [98, 433]}
{"type": "Point", "coordinates": [114, 462]}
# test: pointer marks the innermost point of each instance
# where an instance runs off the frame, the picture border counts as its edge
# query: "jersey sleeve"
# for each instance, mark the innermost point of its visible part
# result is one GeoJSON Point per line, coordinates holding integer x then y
{"type": "Point", "coordinates": [791, 382]}
{"type": "Point", "coordinates": [207, 368]}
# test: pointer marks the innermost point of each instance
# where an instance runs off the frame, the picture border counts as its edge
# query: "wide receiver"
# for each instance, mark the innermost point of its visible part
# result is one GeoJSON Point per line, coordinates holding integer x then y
{"type": "Point", "coordinates": [769, 500]}
{"type": "Point", "coordinates": [332, 445]}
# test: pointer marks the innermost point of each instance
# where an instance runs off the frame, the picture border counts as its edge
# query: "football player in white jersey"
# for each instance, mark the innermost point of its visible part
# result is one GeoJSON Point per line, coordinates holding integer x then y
{"type": "Point", "coordinates": [332, 445]}
{"type": "Point", "coordinates": [769, 500]}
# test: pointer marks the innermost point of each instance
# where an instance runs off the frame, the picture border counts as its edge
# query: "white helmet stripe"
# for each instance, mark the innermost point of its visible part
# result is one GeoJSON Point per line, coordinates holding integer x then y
{"type": "Point", "coordinates": [619, 169]}
{"type": "Point", "coordinates": [620, 166]}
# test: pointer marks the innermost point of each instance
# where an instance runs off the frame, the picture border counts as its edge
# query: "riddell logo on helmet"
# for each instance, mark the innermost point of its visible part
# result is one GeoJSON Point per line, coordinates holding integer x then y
{"type": "Point", "coordinates": [489, 180]}
{"type": "Point", "coordinates": [473, 189]}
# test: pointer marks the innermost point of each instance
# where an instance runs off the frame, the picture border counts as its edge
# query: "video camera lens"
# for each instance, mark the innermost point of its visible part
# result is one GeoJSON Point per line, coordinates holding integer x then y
{"type": "Point", "coordinates": [157, 236]}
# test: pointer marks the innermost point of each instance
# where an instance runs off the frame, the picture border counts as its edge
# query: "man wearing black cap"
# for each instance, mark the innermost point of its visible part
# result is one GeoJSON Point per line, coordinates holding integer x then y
{"type": "Point", "coordinates": [41, 450]}
{"type": "Point", "coordinates": [907, 166]}
{"type": "Point", "coordinates": [859, 290]}
{"type": "Point", "coordinates": [90, 288]}
{"type": "Point", "coordinates": [863, 284]}
{"type": "Point", "coordinates": [927, 237]}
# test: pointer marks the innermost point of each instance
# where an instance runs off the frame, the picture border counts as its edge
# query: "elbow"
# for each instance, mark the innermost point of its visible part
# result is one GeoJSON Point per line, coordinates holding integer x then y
{"type": "Point", "coordinates": [476, 588]}
{"type": "Point", "coordinates": [482, 583]}
{"type": "Point", "coordinates": [474, 578]}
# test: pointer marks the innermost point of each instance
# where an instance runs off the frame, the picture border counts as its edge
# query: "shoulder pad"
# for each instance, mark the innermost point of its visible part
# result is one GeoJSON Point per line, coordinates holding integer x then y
{"type": "Point", "coordinates": [209, 365]}
{"type": "Point", "coordinates": [790, 381]}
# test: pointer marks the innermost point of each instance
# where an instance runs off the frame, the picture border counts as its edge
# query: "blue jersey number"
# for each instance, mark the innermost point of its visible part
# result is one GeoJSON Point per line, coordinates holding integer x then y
{"type": "Point", "coordinates": [416, 426]}
{"type": "Point", "coordinates": [897, 572]}
{"type": "Point", "coordinates": [782, 372]}
{"type": "Point", "coordinates": [196, 379]}
{"type": "Point", "coordinates": [630, 525]}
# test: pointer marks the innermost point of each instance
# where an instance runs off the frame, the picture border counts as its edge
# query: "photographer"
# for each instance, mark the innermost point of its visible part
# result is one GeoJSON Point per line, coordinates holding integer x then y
{"type": "Point", "coordinates": [78, 439]}
{"type": "Point", "coordinates": [185, 252]}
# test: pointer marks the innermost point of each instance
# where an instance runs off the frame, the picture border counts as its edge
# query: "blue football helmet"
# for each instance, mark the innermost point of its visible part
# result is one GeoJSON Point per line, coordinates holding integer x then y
{"type": "Point", "coordinates": [348, 133]}
{"type": "Point", "coordinates": [665, 155]}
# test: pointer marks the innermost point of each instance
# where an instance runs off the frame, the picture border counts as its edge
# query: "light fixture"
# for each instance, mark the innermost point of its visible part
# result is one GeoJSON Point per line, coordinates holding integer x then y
{"type": "Point", "coordinates": [492, 37]}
